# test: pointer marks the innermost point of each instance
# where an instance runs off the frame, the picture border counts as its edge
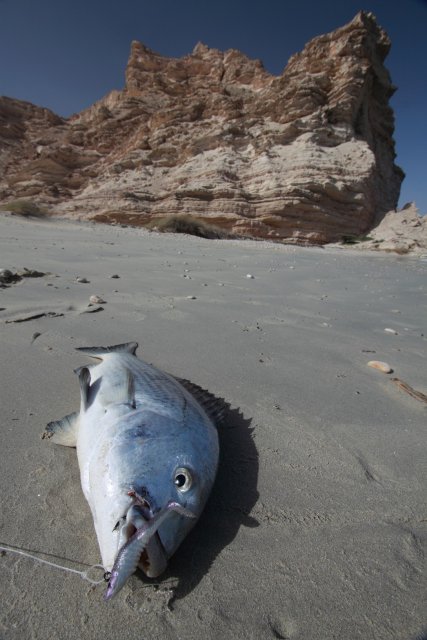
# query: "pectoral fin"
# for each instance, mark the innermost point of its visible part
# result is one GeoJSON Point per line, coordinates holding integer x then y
{"type": "Point", "coordinates": [63, 431]}
{"type": "Point", "coordinates": [88, 391]}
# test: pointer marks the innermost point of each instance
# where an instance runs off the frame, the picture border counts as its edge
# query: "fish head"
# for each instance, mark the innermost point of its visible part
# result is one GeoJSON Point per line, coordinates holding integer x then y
{"type": "Point", "coordinates": [187, 485]}
{"type": "Point", "coordinates": [177, 467]}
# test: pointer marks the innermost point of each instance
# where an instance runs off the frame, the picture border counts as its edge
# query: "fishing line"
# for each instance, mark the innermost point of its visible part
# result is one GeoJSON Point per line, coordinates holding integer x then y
{"type": "Point", "coordinates": [83, 574]}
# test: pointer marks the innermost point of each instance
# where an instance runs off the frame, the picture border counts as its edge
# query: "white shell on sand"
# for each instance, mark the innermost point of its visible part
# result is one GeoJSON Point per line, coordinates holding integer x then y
{"type": "Point", "coordinates": [393, 331]}
{"type": "Point", "coordinates": [381, 366]}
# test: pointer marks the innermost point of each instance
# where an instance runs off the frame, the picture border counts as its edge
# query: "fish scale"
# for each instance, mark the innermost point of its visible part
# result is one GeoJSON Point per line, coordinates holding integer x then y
{"type": "Point", "coordinates": [153, 388]}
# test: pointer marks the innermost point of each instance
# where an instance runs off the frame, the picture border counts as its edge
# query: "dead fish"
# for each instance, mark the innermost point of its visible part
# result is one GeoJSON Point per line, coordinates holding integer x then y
{"type": "Point", "coordinates": [147, 447]}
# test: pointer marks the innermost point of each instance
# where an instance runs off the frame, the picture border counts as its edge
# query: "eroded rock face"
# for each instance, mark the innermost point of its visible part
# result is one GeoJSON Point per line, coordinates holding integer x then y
{"type": "Point", "coordinates": [401, 231]}
{"type": "Point", "coordinates": [304, 156]}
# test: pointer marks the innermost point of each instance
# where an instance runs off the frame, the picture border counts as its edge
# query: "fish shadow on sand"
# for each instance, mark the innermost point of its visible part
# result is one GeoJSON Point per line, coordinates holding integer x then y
{"type": "Point", "coordinates": [233, 496]}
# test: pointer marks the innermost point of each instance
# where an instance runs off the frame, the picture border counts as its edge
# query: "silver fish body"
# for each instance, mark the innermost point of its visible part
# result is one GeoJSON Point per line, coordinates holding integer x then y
{"type": "Point", "coordinates": [144, 441]}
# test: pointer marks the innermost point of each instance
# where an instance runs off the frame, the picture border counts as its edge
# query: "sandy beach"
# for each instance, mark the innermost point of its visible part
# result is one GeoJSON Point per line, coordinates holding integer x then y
{"type": "Point", "coordinates": [317, 524]}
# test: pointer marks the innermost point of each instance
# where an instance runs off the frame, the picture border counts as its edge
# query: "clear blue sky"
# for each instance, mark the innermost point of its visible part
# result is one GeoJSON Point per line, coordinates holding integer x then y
{"type": "Point", "coordinates": [66, 55]}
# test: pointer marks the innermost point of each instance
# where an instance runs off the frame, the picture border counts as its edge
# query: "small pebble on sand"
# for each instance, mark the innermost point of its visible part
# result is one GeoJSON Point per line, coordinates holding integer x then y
{"type": "Point", "coordinates": [191, 298]}
{"type": "Point", "coordinates": [96, 300]}
{"type": "Point", "coordinates": [381, 366]}
{"type": "Point", "coordinates": [250, 276]}
{"type": "Point", "coordinates": [82, 280]}
{"type": "Point", "coordinates": [393, 331]}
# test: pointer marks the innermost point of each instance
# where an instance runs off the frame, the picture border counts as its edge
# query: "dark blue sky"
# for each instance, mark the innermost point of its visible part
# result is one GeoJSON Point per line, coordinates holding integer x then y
{"type": "Point", "coordinates": [66, 55]}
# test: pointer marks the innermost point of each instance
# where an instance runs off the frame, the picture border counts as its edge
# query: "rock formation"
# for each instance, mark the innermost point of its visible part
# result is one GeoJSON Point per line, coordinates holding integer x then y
{"type": "Point", "coordinates": [401, 231]}
{"type": "Point", "coordinates": [304, 156]}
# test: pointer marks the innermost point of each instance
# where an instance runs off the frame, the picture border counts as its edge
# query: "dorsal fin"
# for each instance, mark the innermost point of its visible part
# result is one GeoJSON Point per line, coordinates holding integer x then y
{"type": "Point", "coordinates": [100, 352]}
{"type": "Point", "coordinates": [216, 408]}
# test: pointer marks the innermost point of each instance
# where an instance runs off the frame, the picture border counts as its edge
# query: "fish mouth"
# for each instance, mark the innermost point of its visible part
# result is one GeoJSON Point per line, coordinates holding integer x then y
{"type": "Point", "coordinates": [153, 559]}
{"type": "Point", "coordinates": [129, 554]}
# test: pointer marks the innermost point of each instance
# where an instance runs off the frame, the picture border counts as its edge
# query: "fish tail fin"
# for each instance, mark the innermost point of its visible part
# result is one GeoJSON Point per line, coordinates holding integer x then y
{"type": "Point", "coordinates": [101, 352]}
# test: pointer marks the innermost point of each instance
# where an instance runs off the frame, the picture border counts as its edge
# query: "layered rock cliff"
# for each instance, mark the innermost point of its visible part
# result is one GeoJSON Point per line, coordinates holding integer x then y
{"type": "Point", "coordinates": [307, 155]}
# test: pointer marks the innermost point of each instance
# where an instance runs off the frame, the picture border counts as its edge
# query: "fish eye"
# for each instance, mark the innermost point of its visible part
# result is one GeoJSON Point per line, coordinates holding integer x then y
{"type": "Point", "coordinates": [183, 479]}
